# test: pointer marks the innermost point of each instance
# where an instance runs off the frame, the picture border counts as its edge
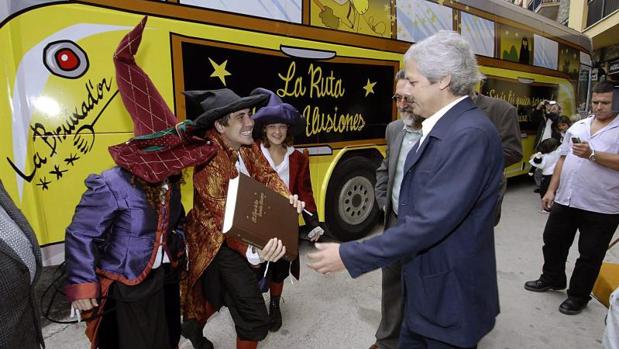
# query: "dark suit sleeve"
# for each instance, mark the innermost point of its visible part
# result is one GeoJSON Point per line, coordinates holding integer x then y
{"type": "Point", "coordinates": [509, 129]}
{"type": "Point", "coordinates": [382, 176]}
{"type": "Point", "coordinates": [442, 202]}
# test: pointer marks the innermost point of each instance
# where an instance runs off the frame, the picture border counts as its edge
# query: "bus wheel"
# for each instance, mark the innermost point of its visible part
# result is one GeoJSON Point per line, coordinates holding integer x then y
{"type": "Point", "coordinates": [351, 210]}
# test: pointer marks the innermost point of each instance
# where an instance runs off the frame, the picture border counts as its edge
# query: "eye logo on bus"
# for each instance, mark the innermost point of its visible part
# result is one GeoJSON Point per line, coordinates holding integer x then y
{"type": "Point", "coordinates": [65, 59]}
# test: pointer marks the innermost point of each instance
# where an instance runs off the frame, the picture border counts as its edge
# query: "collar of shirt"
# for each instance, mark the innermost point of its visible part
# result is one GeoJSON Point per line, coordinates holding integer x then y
{"type": "Point", "coordinates": [612, 124]}
{"type": "Point", "coordinates": [428, 124]}
{"type": "Point", "coordinates": [267, 155]}
{"type": "Point", "coordinates": [410, 129]}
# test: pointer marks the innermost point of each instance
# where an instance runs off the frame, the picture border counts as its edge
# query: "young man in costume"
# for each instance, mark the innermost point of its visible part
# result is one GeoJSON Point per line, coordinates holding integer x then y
{"type": "Point", "coordinates": [222, 269]}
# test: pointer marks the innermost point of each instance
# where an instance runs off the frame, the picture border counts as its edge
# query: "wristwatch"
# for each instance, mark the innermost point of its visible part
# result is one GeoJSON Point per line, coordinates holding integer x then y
{"type": "Point", "coordinates": [592, 157]}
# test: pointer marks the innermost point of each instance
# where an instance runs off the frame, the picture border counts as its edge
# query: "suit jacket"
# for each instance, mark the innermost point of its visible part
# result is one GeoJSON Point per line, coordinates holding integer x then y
{"type": "Point", "coordinates": [444, 236]}
{"type": "Point", "coordinates": [504, 116]}
{"type": "Point", "coordinates": [386, 171]}
{"type": "Point", "coordinates": [19, 310]}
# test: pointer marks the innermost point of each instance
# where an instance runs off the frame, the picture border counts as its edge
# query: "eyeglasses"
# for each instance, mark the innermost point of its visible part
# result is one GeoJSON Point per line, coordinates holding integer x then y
{"type": "Point", "coordinates": [399, 98]}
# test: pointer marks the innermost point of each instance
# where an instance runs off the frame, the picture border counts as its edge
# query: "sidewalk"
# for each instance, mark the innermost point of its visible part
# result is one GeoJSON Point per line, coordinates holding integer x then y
{"type": "Point", "coordinates": [335, 311]}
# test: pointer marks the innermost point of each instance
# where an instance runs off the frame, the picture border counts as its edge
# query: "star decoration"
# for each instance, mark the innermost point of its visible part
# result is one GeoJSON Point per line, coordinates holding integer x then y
{"type": "Point", "coordinates": [57, 171]}
{"type": "Point", "coordinates": [220, 71]}
{"type": "Point", "coordinates": [369, 87]}
{"type": "Point", "coordinates": [43, 183]}
{"type": "Point", "coordinates": [71, 159]}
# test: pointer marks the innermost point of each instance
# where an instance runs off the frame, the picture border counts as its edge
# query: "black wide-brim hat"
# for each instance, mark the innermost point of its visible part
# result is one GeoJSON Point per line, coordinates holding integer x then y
{"type": "Point", "coordinates": [276, 112]}
{"type": "Point", "coordinates": [219, 103]}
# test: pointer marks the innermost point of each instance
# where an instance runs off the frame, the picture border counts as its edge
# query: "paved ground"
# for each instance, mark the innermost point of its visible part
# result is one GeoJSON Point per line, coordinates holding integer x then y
{"type": "Point", "coordinates": [335, 311]}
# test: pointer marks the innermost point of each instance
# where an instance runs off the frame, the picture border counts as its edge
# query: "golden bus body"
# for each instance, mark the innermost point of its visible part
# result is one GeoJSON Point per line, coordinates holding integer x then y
{"type": "Point", "coordinates": [333, 59]}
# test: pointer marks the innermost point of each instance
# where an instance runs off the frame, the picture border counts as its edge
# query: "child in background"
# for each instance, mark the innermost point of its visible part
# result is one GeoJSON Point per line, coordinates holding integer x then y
{"type": "Point", "coordinates": [545, 159]}
{"type": "Point", "coordinates": [562, 125]}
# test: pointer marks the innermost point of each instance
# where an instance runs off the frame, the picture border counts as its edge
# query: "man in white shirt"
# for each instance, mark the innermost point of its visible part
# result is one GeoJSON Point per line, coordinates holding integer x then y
{"type": "Point", "coordinates": [584, 195]}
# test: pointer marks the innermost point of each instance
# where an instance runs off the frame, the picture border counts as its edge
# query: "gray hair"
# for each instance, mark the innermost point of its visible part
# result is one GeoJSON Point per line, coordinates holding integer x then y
{"type": "Point", "coordinates": [446, 53]}
{"type": "Point", "coordinates": [400, 75]}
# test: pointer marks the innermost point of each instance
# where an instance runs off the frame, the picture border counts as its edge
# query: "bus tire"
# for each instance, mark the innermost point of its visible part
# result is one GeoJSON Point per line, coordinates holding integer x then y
{"type": "Point", "coordinates": [350, 209]}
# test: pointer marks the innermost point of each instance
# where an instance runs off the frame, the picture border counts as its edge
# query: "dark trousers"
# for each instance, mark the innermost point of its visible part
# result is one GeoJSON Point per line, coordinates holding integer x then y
{"type": "Point", "coordinates": [391, 307]}
{"type": "Point", "coordinates": [241, 294]}
{"type": "Point", "coordinates": [146, 315]}
{"type": "Point", "coordinates": [596, 231]}
{"type": "Point", "coordinates": [412, 340]}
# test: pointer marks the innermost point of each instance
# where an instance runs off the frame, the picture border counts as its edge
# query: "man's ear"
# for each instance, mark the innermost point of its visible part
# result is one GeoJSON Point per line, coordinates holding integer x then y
{"type": "Point", "coordinates": [444, 82]}
{"type": "Point", "coordinates": [219, 127]}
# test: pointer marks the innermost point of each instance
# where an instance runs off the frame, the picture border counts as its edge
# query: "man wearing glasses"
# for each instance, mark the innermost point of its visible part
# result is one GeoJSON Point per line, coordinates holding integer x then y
{"type": "Point", "coordinates": [401, 135]}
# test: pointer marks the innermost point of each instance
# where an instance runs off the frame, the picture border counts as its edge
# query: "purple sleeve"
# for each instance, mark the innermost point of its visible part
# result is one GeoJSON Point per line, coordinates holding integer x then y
{"type": "Point", "coordinates": [93, 216]}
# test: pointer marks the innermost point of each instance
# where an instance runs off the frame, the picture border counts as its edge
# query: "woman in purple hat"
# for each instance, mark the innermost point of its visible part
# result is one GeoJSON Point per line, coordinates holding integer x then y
{"type": "Point", "coordinates": [274, 129]}
{"type": "Point", "coordinates": [125, 245]}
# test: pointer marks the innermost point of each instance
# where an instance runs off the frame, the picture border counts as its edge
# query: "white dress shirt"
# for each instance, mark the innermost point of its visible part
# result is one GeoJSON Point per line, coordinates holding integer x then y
{"type": "Point", "coordinates": [428, 124]}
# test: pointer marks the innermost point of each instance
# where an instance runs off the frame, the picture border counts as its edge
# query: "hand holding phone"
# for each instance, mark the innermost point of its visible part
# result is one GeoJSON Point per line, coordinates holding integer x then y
{"type": "Point", "coordinates": [576, 140]}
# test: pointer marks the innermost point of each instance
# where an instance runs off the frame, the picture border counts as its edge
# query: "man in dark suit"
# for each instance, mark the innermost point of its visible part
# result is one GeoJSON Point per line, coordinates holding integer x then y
{"type": "Point", "coordinates": [445, 236]}
{"type": "Point", "coordinates": [505, 118]}
{"type": "Point", "coordinates": [20, 266]}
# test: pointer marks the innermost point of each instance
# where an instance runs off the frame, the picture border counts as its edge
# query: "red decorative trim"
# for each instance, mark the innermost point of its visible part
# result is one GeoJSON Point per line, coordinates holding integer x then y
{"type": "Point", "coordinates": [82, 291]}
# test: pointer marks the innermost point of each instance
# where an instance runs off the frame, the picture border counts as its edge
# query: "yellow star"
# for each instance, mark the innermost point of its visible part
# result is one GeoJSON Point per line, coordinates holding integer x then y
{"type": "Point", "coordinates": [369, 87]}
{"type": "Point", "coordinates": [220, 71]}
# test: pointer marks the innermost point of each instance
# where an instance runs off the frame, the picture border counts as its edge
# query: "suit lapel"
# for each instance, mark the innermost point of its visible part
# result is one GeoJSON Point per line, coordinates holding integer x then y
{"type": "Point", "coordinates": [439, 131]}
{"type": "Point", "coordinates": [415, 154]}
{"type": "Point", "coordinates": [396, 146]}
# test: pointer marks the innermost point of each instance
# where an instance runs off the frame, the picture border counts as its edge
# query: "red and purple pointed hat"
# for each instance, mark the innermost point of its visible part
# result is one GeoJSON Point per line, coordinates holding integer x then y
{"type": "Point", "coordinates": [162, 146]}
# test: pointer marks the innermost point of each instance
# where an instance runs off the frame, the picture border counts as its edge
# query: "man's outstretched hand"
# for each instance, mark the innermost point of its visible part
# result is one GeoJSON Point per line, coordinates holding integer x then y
{"type": "Point", "coordinates": [326, 259]}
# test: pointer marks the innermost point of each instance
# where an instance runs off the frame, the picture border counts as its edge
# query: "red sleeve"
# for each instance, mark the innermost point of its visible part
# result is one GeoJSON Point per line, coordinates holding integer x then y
{"type": "Point", "coordinates": [237, 245]}
{"type": "Point", "coordinates": [303, 183]}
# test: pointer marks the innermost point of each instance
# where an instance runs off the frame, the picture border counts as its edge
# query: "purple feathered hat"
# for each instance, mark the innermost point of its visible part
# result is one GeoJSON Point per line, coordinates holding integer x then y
{"type": "Point", "coordinates": [276, 111]}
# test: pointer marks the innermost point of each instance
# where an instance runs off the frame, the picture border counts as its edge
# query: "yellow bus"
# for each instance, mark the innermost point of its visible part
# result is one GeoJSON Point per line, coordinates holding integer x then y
{"type": "Point", "coordinates": [333, 59]}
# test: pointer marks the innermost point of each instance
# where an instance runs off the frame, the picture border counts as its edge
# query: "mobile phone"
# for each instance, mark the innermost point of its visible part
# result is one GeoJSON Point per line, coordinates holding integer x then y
{"type": "Point", "coordinates": [575, 140]}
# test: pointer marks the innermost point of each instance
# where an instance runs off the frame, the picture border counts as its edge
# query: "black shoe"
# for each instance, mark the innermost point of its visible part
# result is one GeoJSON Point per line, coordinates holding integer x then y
{"type": "Point", "coordinates": [192, 331]}
{"type": "Point", "coordinates": [275, 315]}
{"type": "Point", "coordinates": [572, 306]}
{"type": "Point", "coordinates": [540, 285]}
{"type": "Point", "coordinates": [536, 190]}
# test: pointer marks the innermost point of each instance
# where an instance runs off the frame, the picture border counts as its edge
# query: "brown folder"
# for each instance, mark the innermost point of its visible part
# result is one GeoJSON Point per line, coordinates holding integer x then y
{"type": "Point", "coordinates": [255, 214]}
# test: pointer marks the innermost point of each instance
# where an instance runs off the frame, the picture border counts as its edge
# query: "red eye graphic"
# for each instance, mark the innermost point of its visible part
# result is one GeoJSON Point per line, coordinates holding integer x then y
{"type": "Point", "coordinates": [66, 59]}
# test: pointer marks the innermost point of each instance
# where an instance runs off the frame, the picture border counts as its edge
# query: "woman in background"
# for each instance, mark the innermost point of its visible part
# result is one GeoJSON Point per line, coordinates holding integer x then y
{"type": "Point", "coordinates": [275, 125]}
